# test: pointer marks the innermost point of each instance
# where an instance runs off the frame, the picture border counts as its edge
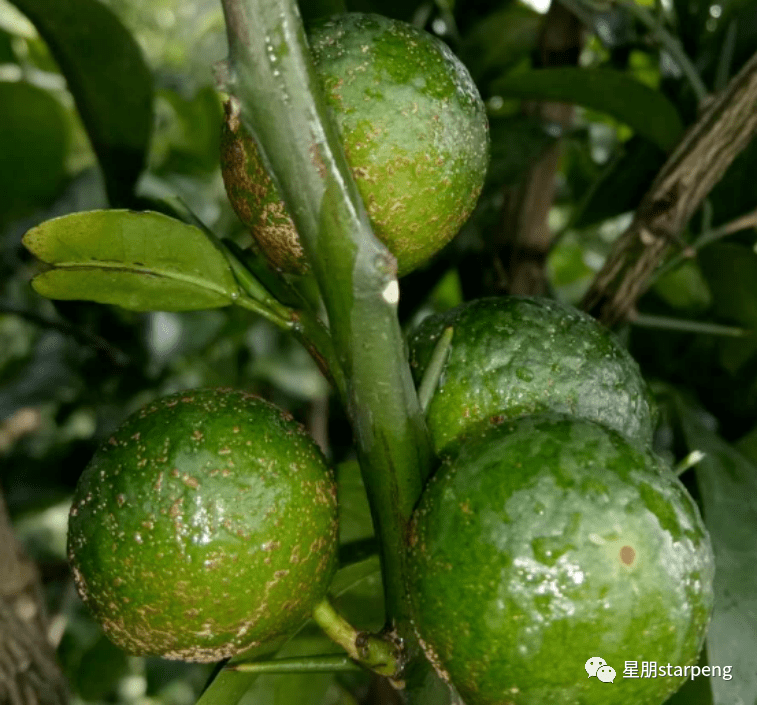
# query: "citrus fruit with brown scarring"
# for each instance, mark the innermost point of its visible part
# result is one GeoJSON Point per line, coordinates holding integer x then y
{"type": "Point", "coordinates": [413, 128]}
{"type": "Point", "coordinates": [518, 355]}
{"type": "Point", "coordinates": [549, 541]}
{"type": "Point", "coordinates": [205, 525]}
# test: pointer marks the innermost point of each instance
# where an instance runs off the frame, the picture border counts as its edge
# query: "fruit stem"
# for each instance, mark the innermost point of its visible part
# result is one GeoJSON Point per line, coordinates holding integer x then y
{"type": "Point", "coordinates": [327, 663]}
{"type": "Point", "coordinates": [435, 368]}
{"type": "Point", "coordinates": [373, 651]}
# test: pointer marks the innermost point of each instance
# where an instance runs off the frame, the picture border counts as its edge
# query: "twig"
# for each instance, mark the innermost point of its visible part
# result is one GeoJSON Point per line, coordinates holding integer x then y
{"type": "Point", "coordinates": [645, 320]}
{"type": "Point", "coordinates": [708, 148]}
{"type": "Point", "coordinates": [743, 222]}
{"type": "Point", "coordinates": [328, 663]}
{"type": "Point", "coordinates": [670, 44]}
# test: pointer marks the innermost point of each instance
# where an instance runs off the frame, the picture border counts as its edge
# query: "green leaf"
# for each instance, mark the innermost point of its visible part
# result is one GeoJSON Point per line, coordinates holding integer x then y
{"type": "Point", "coordinates": [684, 288]}
{"type": "Point", "coordinates": [109, 80]}
{"type": "Point", "coordinates": [308, 689]}
{"type": "Point", "coordinates": [731, 273]}
{"type": "Point", "coordinates": [623, 182]}
{"type": "Point", "coordinates": [645, 110]}
{"type": "Point", "coordinates": [517, 143]}
{"type": "Point", "coordinates": [100, 670]}
{"type": "Point", "coordinates": [139, 261]}
{"type": "Point", "coordinates": [355, 521]}
{"type": "Point", "coordinates": [727, 482]}
{"type": "Point", "coordinates": [188, 140]}
{"type": "Point", "coordinates": [500, 40]}
{"type": "Point", "coordinates": [33, 143]}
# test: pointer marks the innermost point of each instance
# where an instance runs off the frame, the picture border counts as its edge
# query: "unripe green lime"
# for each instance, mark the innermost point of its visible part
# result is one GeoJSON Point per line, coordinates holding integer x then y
{"type": "Point", "coordinates": [550, 541]}
{"type": "Point", "coordinates": [413, 128]}
{"type": "Point", "coordinates": [204, 526]}
{"type": "Point", "coordinates": [518, 355]}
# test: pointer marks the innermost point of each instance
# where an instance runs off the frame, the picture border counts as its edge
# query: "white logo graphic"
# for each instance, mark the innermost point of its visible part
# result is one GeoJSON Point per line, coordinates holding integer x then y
{"type": "Point", "coordinates": [606, 674]}
{"type": "Point", "coordinates": [598, 667]}
{"type": "Point", "coordinates": [593, 664]}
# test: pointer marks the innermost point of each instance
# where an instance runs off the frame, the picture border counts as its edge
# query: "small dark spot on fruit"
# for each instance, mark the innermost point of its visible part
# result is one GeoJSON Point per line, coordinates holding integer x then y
{"type": "Point", "coordinates": [627, 555]}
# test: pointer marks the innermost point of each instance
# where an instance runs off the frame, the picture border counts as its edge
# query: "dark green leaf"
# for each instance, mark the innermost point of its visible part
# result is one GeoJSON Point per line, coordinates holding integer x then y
{"type": "Point", "coordinates": [7, 55]}
{"type": "Point", "coordinates": [736, 193]}
{"type": "Point", "coordinates": [110, 82]}
{"type": "Point", "coordinates": [358, 594]}
{"type": "Point", "coordinates": [139, 261]}
{"type": "Point", "coordinates": [696, 691]}
{"type": "Point", "coordinates": [100, 670]}
{"type": "Point", "coordinates": [314, 9]}
{"type": "Point", "coordinates": [500, 40]}
{"type": "Point", "coordinates": [623, 182]}
{"type": "Point", "coordinates": [309, 689]}
{"type": "Point", "coordinates": [33, 144]}
{"type": "Point", "coordinates": [684, 288]}
{"type": "Point", "coordinates": [731, 272]}
{"type": "Point", "coordinates": [354, 513]}
{"type": "Point", "coordinates": [645, 110]}
{"type": "Point", "coordinates": [190, 140]}
{"type": "Point", "coordinates": [727, 482]}
{"type": "Point", "coordinates": [516, 145]}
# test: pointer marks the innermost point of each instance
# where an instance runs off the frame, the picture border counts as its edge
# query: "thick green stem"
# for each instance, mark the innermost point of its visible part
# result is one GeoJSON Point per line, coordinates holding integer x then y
{"type": "Point", "coordinates": [273, 77]}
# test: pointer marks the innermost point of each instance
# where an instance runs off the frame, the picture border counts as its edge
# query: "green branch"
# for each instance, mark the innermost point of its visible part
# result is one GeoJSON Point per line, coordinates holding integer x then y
{"type": "Point", "coordinates": [273, 77]}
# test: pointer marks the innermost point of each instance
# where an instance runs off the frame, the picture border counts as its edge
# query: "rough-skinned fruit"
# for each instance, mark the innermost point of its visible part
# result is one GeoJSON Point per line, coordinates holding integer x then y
{"type": "Point", "coordinates": [549, 541]}
{"type": "Point", "coordinates": [518, 355]}
{"type": "Point", "coordinates": [206, 524]}
{"type": "Point", "coordinates": [413, 128]}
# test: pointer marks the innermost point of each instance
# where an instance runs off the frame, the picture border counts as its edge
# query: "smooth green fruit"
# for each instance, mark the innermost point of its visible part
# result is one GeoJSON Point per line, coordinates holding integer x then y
{"type": "Point", "coordinates": [518, 355]}
{"type": "Point", "coordinates": [546, 542]}
{"type": "Point", "coordinates": [205, 525]}
{"type": "Point", "coordinates": [414, 130]}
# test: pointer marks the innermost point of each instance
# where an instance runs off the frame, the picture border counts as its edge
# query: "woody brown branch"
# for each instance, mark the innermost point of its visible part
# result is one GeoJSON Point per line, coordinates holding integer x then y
{"type": "Point", "coordinates": [724, 129]}
{"type": "Point", "coordinates": [521, 246]}
{"type": "Point", "coordinates": [29, 673]}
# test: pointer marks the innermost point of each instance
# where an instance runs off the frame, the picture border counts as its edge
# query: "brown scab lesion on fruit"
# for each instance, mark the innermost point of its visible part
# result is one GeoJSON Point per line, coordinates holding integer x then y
{"type": "Point", "coordinates": [433, 659]}
{"type": "Point", "coordinates": [627, 555]}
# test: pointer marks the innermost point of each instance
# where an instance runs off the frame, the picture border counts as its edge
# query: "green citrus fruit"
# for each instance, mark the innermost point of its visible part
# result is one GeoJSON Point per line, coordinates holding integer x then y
{"type": "Point", "coordinates": [204, 526]}
{"type": "Point", "coordinates": [512, 356]}
{"type": "Point", "coordinates": [413, 127]}
{"type": "Point", "coordinates": [550, 541]}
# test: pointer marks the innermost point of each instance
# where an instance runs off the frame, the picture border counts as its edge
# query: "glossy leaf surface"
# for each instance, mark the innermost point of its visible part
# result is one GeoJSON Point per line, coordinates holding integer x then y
{"type": "Point", "coordinates": [647, 111]}
{"type": "Point", "coordinates": [727, 480]}
{"type": "Point", "coordinates": [109, 80]}
{"type": "Point", "coordinates": [139, 261]}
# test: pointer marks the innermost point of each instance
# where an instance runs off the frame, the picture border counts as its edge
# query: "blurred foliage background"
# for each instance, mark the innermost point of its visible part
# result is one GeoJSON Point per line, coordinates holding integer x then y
{"type": "Point", "coordinates": [70, 372]}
